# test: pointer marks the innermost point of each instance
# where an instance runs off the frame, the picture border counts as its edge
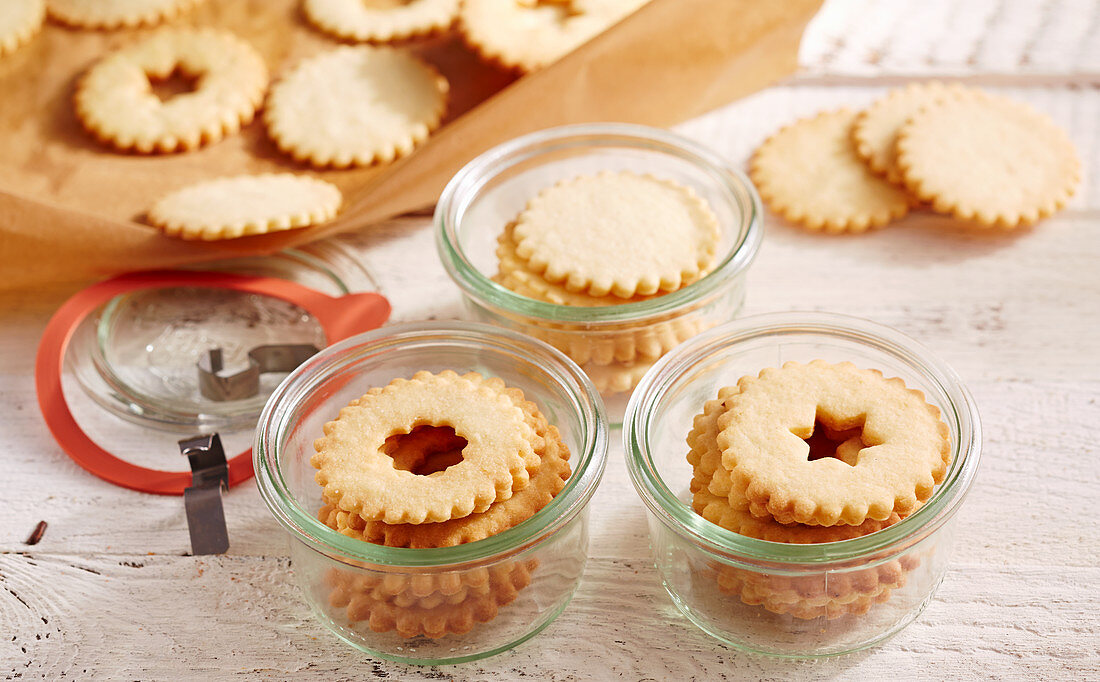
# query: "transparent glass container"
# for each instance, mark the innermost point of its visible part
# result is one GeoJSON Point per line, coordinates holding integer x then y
{"type": "Point", "coordinates": [137, 356]}
{"type": "Point", "coordinates": [798, 600]}
{"type": "Point", "coordinates": [475, 599]}
{"type": "Point", "coordinates": [615, 344]}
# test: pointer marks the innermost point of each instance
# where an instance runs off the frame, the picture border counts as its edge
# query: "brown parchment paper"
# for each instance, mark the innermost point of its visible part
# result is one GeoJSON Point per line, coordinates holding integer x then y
{"type": "Point", "coordinates": [71, 209]}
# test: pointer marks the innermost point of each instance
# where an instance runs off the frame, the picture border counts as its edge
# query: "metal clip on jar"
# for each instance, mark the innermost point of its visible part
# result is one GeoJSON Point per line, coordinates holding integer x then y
{"type": "Point", "coordinates": [614, 344]}
{"type": "Point", "coordinates": [798, 600]}
{"type": "Point", "coordinates": [437, 605]}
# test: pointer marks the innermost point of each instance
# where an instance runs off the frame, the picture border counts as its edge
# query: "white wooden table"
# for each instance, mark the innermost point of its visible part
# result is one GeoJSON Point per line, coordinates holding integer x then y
{"type": "Point", "coordinates": [111, 593]}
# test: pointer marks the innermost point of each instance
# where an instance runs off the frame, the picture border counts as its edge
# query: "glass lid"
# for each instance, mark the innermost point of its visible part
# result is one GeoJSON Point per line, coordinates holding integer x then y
{"type": "Point", "coordinates": [146, 355]}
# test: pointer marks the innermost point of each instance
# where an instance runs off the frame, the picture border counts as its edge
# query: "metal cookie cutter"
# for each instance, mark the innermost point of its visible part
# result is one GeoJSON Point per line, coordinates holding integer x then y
{"type": "Point", "coordinates": [202, 501]}
{"type": "Point", "coordinates": [246, 383]}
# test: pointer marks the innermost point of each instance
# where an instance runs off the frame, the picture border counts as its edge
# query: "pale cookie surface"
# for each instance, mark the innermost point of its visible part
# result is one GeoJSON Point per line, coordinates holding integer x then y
{"type": "Point", "coordinates": [108, 14]}
{"type": "Point", "coordinates": [380, 20]}
{"type": "Point", "coordinates": [115, 101]}
{"type": "Point", "coordinates": [355, 106]}
{"type": "Point", "coordinates": [359, 478]}
{"type": "Point", "coordinates": [245, 205]}
{"type": "Point", "coordinates": [810, 174]}
{"type": "Point", "coordinates": [506, 580]}
{"type": "Point", "coordinates": [761, 436]}
{"type": "Point", "coordinates": [988, 159]}
{"type": "Point", "coordinates": [875, 131]}
{"type": "Point", "coordinates": [616, 377]}
{"type": "Point", "coordinates": [515, 274]}
{"type": "Point", "coordinates": [618, 233]}
{"type": "Point", "coordinates": [545, 484]}
{"type": "Point", "coordinates": [717, 501]}
{"type": "Point", "coordinates": [20, 20]}
{"type": "Point", "coordinates": [531, 34]}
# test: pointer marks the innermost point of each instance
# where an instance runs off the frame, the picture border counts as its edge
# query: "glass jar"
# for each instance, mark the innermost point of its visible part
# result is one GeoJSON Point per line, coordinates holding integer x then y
{"type": "Point", "coordinates": [798, 600]}
{"type": "Point", "coordinates": [615, 344]}
{"type": "Point", "coordinates": [437, 605]}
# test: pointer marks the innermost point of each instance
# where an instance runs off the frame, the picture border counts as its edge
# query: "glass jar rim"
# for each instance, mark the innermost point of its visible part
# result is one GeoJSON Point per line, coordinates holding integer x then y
{"type": "Point", "coordinates": [685, 522]}
{"type": "Point", "coordinates": [588, 464]}
{"type": "Point", "coordinates": [458, 195]}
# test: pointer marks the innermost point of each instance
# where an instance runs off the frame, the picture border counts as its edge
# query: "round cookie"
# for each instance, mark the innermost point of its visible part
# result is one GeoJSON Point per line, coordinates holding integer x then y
{"type": "Point", "coordinates": [110, 14]}
{"type": "Point", "coordinates": [358, 477]}
{"type": "Point", "coordinates": [516, 275]}
{"type": "Point", "coordinates": [545, 484]}
{"type": "Point", "coordinates": [989, 160]}
{"type": "Point", "coordinates": [115, 102]}
{"type": "Point", "coordinates": [355, 106]}
{"type": "Point", "coordinates": [20, 20]}
{"type": "Point", "coordinates": [761, 437]}
{"type": "Point", "coordinates": [617, 377]}
{"type": "Point", "coordinates": [506, 580]}
{"type": "Point", "coordinates": [526, 35]}
{"type": "Point", "coordinates": [875, 131]}
{"type": "Point", "coordinates": [810, 174]}
{"type": "Point", "coordinates": [245, 205]}
{"type": "Point", "coordinates": [716, 500]}
{"type": "Point", "coordinates": [619, 233]}
{"type": "Point", "coordinates": [380, 20]}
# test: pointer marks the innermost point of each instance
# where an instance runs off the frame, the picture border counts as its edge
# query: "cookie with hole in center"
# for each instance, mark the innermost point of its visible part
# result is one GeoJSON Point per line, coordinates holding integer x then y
{"type": "Point", "coordinates": [115, 101]}
{"type": "Point", "coordinates": [907, 449]}
{"type": "Point", "coordinates": [359, 478]}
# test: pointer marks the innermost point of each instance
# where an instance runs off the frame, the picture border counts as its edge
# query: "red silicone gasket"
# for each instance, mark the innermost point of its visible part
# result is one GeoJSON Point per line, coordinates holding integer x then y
{"type": "Point", "coordinates": [339, 318]}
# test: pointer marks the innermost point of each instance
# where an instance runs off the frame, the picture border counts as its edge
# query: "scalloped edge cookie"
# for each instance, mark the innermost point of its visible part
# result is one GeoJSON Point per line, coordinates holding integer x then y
{"type": "Point", "coordinates": [717, 501]}
{"type": "Point", "coordinates": [988, 159]}
{"type": "Point", "coordinates": [875, 130]}
{"type": "Point", "coordinates": [545, 484]}
{"type": "Point", "coordinates": [620, 233]}
{"type": "Point", "coordinates": [352, 20]}
{"type": "Point", "coordinates": [115, 102]}
{"type": "Point", "coordinates": [355, 106]}
{"type": "Point", "coordinates": [20, 20]}
{"type": "Point", "coordinates": [525, 36]}
{"type": "Point", "coordinates": [243, 205]}
{"type": "Point", "coordinates": [112, 14]}
{"type": "Point", "coordinates": [499, 459]}
{"type": "Point", "coordinates": [809, 173]}
{"type": "Point", "coordinates": [907, 454]}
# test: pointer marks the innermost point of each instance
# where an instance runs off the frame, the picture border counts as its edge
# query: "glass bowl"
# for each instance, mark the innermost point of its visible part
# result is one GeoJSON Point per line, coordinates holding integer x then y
{"type": "Point", "coordinates": [798, 600]}
{"type": "Point", "coordinates": [487, 595]}
{"type": "Point", "coordinates": [614, 344]}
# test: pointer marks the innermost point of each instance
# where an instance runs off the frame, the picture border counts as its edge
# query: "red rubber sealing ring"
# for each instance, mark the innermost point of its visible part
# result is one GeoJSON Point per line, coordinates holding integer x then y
{"type": "Point", "coordinates": [339, 318]}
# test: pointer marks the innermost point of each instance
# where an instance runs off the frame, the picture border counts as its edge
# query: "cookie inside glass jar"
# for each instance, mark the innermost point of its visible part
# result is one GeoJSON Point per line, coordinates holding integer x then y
{"type": "Point", "coordinates": [610, 239]}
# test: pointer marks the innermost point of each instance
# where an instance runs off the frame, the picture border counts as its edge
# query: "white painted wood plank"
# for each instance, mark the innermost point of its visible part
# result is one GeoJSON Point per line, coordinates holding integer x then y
{"type": "Point", "coordinates": [135, 617]}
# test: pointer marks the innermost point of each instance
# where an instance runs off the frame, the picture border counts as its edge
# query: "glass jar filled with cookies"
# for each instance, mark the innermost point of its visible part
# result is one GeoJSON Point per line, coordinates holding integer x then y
{"type": "Point", "coordinates": [611, 242]}
{"type": "Point", "coordinates": [435, 481]}
{"type": "Point", "coordinates": [802, 473]}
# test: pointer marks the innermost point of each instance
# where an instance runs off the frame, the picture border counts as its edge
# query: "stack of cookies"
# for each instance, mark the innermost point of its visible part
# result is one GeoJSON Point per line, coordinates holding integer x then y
{"type": "Point", "coordinates": [814, 453]}
{"type": "Point", "coordinates": [435, 461]}
{"type": "Point", "coordinates": [610, 239]}
{"type": "Point", "coordinates": [960, 151]}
